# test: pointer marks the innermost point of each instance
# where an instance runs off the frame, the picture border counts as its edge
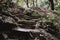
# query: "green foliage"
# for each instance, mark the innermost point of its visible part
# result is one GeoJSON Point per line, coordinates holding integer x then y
{"type": "Point", "coordinates": [57, 7]}
{"type": "Point", "coordinates": [35, 14]}
{"type": "Point", "coordinates": [21, 2]}
{"type": "Point", "coordinates": [45, 4]}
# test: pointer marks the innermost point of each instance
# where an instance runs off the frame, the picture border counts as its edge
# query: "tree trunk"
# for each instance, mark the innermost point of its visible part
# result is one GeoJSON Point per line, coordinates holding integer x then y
{"type": "Point", "coordinates": [33, 3]}
{"type": "Point", "coordinates": [27, 3]}
{"type": "Point", "coordinates": [36, 3]}
{"type": "Point", "coordinates": [52, 4]}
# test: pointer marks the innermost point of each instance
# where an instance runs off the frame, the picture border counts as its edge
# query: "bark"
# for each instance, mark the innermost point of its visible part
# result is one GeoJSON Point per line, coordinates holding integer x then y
{"type": "Point", "coordinates": [27, 3]}
{"type": "Point", "coordinates": [33, 3]}
{"type": "Point", "coordinates": [52, 4]}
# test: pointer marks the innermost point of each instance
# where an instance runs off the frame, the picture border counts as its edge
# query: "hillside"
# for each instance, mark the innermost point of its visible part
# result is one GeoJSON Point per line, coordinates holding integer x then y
{"type": "Point", "coordinates": [29, 24]}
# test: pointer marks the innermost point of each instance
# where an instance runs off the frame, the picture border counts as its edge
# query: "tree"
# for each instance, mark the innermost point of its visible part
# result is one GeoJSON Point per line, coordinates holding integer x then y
{"type": "Point", "coordinates": [52, 4]}
{"type": "Point", "coordinates": [36, 3]}
{"type": "Point", "coordinates": [27, 3]}
{"type": "Point", "coordinates": [33, 3]}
